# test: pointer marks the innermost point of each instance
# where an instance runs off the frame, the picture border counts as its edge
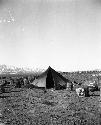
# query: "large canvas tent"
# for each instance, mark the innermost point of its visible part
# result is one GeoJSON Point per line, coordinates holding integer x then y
{"type": "Point", "coordinates": [51, 79]}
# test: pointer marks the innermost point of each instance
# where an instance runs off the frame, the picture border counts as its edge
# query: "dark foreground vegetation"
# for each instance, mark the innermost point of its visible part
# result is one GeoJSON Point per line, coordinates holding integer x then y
{"type": "Point", "coordinates": [61, 107]}
{"type": "Point", "coordinates": [22, 105]}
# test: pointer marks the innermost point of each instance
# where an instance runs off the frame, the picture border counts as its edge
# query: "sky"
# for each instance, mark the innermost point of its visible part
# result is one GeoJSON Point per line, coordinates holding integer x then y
{"type": "Point", "coordinates": [65, 34]}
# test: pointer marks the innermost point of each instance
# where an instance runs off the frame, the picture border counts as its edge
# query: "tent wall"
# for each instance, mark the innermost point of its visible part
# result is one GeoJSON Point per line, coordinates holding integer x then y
{"type": "Point", "coordinates": [40, 82]}
{"type": "Point", "coordinates": [59, 83]}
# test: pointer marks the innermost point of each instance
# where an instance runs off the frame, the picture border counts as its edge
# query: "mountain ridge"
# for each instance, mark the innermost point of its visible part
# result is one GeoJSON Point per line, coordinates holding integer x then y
{"type": "Point", "coordinates": [7, 69]}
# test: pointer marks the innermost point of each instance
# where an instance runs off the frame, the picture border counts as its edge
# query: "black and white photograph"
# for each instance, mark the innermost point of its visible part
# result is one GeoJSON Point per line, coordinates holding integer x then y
{"type": "Point", "coordinates": [50, 62]}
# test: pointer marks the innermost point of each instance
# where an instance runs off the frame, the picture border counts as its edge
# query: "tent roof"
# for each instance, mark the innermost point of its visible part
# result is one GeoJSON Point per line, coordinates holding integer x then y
{"type": "Point", "coordinates": [53, 71]}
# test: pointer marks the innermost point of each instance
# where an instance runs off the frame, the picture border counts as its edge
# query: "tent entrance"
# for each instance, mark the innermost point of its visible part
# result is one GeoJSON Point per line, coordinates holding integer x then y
{"type": "Point", "coordinates": [49, 81]}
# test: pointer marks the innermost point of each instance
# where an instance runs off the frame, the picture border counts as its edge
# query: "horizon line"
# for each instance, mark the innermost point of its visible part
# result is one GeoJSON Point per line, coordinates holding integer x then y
{"type": "Point", "coordinates": [43, 69]}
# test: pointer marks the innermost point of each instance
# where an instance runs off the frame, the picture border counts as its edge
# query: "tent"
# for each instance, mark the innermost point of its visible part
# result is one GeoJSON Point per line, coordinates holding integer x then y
{"type": "Point", "coordinates": [51, 79]}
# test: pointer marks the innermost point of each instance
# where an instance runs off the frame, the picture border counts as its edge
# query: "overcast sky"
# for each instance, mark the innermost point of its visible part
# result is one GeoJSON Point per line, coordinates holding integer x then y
{"type": "Point", "coordinates": [65, 34]}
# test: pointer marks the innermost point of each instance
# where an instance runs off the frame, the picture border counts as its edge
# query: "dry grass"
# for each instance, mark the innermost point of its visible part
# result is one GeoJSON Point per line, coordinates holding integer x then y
{"type": "Point", "coordinates": [33, 107]}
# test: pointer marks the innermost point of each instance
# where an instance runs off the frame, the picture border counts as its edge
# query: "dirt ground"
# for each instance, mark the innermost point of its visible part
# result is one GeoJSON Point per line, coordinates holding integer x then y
{"type": "Point", "coordinates": [61, 107]}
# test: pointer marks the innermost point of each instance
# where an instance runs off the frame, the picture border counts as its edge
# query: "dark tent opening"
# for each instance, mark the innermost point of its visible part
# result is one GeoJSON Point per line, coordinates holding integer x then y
{"type": "Point", "coordinates": [49, 80]}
